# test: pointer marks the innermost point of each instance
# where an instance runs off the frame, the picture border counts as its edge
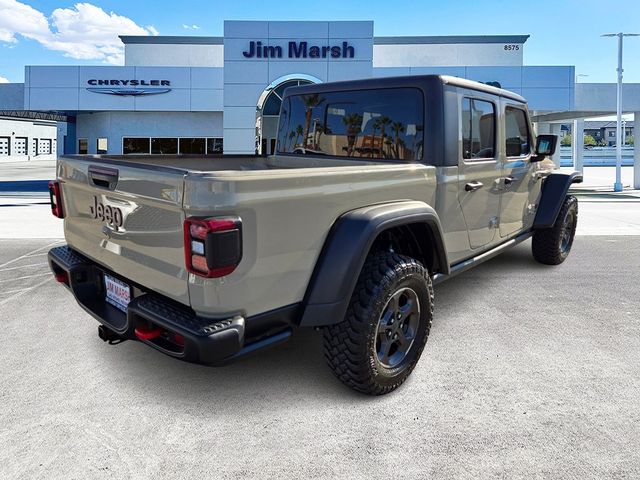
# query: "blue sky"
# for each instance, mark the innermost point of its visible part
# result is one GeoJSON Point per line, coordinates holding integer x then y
{"type": "Point", "coordinates": [49, 32]}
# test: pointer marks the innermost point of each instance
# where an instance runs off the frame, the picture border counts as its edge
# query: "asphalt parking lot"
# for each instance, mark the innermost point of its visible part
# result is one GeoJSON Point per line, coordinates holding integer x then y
{"type": "Point", "coordinates": [529, 372]}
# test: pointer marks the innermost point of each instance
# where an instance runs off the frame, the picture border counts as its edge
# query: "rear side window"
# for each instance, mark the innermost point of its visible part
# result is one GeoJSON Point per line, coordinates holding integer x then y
{"type": "Point", "coordinates": [518, 142]}
{"type": "Point", "coordinates": [478, 129]}
{"type": "Point", "coordinates": [376, 123]}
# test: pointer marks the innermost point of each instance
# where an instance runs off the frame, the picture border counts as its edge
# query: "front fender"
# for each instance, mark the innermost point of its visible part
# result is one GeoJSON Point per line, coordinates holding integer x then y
{"type": "Point", "coordinates": [554, 190]}
{"type": "Point", "coordinates": [346, 249]}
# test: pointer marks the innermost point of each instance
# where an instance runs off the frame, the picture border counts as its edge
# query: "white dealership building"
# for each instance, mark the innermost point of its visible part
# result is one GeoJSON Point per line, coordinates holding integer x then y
{"type": "Point", "coordinates": [207, 94]}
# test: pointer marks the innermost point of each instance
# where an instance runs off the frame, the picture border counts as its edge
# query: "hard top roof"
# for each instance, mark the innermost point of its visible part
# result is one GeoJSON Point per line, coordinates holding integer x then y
{"type": "Point", "coordinates": [402, 81]}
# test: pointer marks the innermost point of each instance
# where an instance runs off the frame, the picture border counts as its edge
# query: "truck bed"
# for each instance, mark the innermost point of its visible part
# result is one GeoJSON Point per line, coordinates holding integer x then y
{"type": "Point", "coordinates": [287, 205]}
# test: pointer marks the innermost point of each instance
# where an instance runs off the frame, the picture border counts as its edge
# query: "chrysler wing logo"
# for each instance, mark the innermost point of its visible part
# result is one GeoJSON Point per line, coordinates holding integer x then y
{"type": "Point", "coordinates": [129, 92]}
{"type": "Point", "coordinates": [128, 88]}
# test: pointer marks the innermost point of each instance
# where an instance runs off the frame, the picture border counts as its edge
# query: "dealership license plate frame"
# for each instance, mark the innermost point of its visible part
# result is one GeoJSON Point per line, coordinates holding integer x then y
{"type": "Point", "coordinates": [117, 293]}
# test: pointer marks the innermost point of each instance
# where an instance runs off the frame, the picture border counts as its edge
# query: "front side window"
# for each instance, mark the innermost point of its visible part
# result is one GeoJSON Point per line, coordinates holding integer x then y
{"type": "Point", "coordinates": [380, 124]}
{"type": "Point", "coordinates": [478, 129]}
{"type": "Point", "coordinates": [517, 141]}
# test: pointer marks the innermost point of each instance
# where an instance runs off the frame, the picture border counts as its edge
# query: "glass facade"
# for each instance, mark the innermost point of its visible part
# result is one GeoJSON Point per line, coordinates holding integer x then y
{"type": "Point", "coordinates": [171, 146]}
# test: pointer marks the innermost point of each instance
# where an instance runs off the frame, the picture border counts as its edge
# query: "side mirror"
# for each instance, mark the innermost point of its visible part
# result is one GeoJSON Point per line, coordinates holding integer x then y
{"type": "Point", "coordinates": [545, 146]}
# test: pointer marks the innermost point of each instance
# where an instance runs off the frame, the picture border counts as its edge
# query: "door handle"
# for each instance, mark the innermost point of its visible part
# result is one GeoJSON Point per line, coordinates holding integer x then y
{"type": "Point", "coordinates": [508, 180]}
{"type": "Point", "coordinates": [473, 186]}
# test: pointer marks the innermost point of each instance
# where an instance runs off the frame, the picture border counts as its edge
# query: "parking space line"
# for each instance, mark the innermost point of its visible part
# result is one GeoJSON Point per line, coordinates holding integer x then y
{"type": "Point", "coordinates": [24, 278]}
{"type": "Point", "coordinates": [29, 253]}
{"type": "Point", "coordinates": [21, 292]}
{"type": "Point", "coordinates": [23, 266]}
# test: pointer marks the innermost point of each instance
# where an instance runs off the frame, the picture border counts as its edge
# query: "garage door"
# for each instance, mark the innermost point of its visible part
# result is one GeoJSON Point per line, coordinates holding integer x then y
{"type": "Point", "coordinates": [20, 146]}
{"type": "Point", "coordinates": [4, 146]}
{"type": "Point", "coordinates": [44, 146]}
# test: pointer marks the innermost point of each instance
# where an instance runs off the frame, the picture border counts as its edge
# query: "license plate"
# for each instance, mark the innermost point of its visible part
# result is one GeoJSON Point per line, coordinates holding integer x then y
{"type": "Point", "coordinates": [118, 293]}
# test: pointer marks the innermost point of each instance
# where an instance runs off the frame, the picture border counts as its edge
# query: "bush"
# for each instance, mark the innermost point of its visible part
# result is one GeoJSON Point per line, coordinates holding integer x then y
{"type": "Point", "coordinates": [629, 140]}
{"type": "Point", "coordinates": [566, 140]}
{"type": "Point", "coordinates": [590, 141]}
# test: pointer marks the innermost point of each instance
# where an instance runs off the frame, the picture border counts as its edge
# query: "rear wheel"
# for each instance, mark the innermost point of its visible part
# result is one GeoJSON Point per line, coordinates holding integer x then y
{"type": "Point", "coordinates": [375, 348]}
{"type": "Point", "coordinates": [551, 246]}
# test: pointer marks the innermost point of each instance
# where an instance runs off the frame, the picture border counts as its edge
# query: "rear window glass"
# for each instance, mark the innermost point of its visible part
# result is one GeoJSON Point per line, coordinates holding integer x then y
{"type": "Point", "coordinates": [375, 123]}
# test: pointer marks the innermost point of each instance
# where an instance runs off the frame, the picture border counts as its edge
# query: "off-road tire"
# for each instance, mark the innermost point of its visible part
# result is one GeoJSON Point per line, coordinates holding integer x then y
{"type": "Point", "coordinates": [350, 347]}
{"type": "Point", "coordinates": [551, 246]}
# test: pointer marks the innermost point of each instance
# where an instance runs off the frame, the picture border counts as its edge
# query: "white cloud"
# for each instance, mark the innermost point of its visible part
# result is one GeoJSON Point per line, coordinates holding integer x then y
{"type": "Point", "coordinates": [84, 31]}
{"type": "Point", "coordinates": [190, 27]}
{"type": "Point", "coordinates": [3, 80]}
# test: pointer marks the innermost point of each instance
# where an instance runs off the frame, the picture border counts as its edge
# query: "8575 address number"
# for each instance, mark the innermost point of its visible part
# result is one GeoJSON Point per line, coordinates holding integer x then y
{"type": "Point", "coordinates": [511, 47]}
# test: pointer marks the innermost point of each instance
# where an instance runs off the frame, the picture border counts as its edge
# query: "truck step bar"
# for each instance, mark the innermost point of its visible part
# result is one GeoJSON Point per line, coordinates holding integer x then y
{"type": "Point", "coordinates": [483, 257]}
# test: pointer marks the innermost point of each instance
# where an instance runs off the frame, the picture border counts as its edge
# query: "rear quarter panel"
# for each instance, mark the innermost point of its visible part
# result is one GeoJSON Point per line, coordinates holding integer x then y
{"type": "Point", "coordinates": [286, 217]}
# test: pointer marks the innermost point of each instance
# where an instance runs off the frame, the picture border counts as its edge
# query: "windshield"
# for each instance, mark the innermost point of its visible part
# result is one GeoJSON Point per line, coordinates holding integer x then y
{"type": "Point", "coordinates": [376, 123]}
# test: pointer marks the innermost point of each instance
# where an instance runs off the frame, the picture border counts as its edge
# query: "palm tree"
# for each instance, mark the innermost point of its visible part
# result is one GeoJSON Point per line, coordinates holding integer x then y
{"type": "Point", "coordinates": [299, 131]}
{"type": "Point", "coordinates": [292, 134]}
{"type": "Point", "coordinates": [397, 128]}
{"type": "Point", "coordinates": [353, 123]}
{"type": "Point", "coordinates": [374, 128]}
{"type": "Point", "coordinates": [383, 122]}
{"type": "Point", "coordinates": [310, 102]}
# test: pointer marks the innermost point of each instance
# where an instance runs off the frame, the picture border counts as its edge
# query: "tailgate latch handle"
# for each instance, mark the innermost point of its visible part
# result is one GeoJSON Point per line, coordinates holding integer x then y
{"type": "Point", "coordinates": [103, 177]}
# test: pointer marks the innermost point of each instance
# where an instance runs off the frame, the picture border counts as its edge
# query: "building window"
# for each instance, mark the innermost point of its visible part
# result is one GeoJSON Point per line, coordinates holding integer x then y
{"type": "Point", "coordinates": [517, 133]}
{"type": "Point", "coordinates": [83, 146]}
{"type": "Point", "coordinates": [478, 129]}
{"type": "Point", "coordinates": [44, 146]}
{"type": "Point", "coordinates": [194, 146]}
{"type": "Point", "coordinates": [20, 145]}
{"type": "Point", "coordinates": [101, 146]}
{"type": "Point", "coordinates": [4, 146]}
{"type": "Point", "coordinates": [132, 145]}
{"type": "Point", "coordinates": [214, 145]}
{"type": "Point", "coordinates": [384, 124]}
{"type": "Point", "coordinates": [612, 133]}
{"type": "Point", "coordinates": [164, 146]}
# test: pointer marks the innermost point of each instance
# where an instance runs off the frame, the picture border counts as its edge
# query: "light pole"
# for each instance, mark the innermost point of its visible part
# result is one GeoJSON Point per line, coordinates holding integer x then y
{"type": "Point", "coordinates": [617, 187]}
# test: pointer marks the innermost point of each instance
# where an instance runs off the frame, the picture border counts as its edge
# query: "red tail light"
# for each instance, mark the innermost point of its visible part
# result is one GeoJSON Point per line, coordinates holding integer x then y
{"type": "Point", "coordinates": [212, 246]}
{"type": "Point", "coordinates": [55, 196]}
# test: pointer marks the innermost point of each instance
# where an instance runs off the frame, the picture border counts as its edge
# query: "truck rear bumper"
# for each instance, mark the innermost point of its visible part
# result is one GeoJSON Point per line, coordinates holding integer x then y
{"type": "Point", "coordinates": [159, 322]}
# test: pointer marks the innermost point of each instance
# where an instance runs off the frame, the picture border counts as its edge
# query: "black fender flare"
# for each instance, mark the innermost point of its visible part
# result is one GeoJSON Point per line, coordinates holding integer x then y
{"type": "Point", "coordinates": [345, 251]}
{"type": "Point", "coordinates": [554, 191]}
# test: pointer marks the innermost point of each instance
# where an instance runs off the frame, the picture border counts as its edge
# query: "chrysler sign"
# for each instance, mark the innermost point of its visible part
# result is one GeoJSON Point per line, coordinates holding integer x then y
{"type": "Point", "coordinates": [128, 87]}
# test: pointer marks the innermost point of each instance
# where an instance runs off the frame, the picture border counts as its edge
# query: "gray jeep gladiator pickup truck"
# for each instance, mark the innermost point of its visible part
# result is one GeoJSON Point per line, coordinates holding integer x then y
{"type": "Point", "coordinates": [379, 189]}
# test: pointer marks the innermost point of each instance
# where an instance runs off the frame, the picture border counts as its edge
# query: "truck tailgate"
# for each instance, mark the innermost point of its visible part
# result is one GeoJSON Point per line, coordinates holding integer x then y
{"type": "Point", "coordinates": [128, 218]}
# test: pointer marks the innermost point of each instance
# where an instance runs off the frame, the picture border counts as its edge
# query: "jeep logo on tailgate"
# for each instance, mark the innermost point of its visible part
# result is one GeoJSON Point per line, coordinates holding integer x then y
{"type": "Point", "coordinates": [106, 213]}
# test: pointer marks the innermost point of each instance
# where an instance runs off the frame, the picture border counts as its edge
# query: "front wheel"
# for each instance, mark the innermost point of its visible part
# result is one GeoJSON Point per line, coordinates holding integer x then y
{"type": "Point", "coordinates": [375, 348]}
{"type": "Point", "coordinates": [551, 246]}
